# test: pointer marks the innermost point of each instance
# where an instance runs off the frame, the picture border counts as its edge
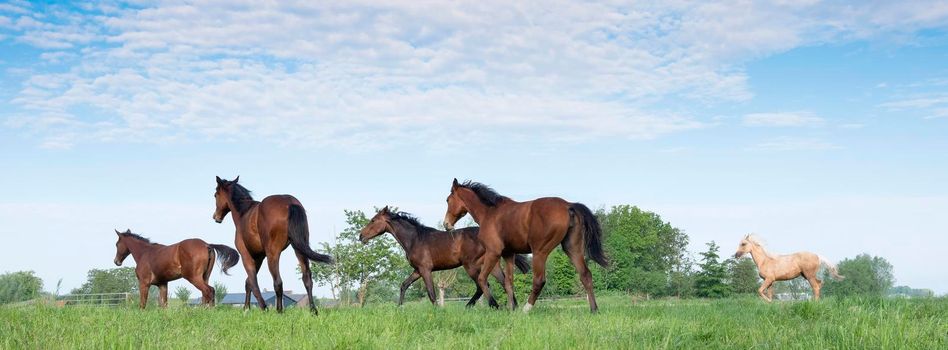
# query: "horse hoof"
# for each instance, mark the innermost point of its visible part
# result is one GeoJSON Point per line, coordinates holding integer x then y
{"type": "Point", "coordinates": [527, 307]}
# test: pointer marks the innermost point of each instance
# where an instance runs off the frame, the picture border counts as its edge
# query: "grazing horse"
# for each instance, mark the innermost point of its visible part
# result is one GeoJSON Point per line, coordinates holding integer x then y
{"type": "Point", "coordinates": [784, 267]}
{"type": "Point", "coordinates": [509, 227]}
{"type": "Point", "coordinates": [158, 264]}
{"type": "Point", "coordinates": [264, 230]}
{"type": "Point", "coordinates": [428, 249]}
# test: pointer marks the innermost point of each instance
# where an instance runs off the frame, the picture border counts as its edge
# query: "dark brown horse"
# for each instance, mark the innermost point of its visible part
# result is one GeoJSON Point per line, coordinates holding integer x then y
{"type": "Point", "coordinates": [158, 264]}
{"type": "Point", "coordinates": [428, 249]}
{"type": "Point", "coordinates": [509, 227]}
{"type": "Point", "coordinates": [264, 230]}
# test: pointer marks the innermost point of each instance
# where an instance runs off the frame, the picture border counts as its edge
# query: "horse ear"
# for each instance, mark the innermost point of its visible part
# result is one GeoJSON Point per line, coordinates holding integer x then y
{"type": "Point", "coordinates": [128, 230]}
{"type": "Point", "coordinates": [455, 184]}
{"type": "Point", "coordinates": [117, 233]}
{"type": "Point", "coordinates": [385, 210]}
{"type": "Point", "coordinates": [236, 179]}
{"type": "Point", "coordinates": [219, 180]}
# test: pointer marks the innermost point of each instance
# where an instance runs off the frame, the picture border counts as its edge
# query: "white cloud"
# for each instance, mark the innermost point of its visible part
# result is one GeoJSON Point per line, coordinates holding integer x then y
{"type": "Point", "coordinates": [348, 74]}
{"type": "Point", "coordinates": [783, 119]}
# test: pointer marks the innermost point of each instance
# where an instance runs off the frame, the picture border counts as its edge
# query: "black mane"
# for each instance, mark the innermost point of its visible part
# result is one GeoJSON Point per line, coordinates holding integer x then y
{"type": "Point", "coordinates": [484, 192]}
{"type": "Point", "coordinates": [240, 197]}
{"type": "Point", "coordinates": [411, 219]}
{"type": "Point", "coordinates": [134, 235]}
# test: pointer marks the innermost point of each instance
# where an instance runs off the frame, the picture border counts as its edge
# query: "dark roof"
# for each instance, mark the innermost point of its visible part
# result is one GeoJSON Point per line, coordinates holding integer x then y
{"type": "Point", "coordinates": [238, 299]}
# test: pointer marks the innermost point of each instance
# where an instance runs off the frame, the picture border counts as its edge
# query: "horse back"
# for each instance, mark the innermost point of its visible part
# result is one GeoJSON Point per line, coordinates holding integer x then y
{"type": "Point", "coordinates": [270, 222]}
{"type": "Point", "coordinates": [526, 224]}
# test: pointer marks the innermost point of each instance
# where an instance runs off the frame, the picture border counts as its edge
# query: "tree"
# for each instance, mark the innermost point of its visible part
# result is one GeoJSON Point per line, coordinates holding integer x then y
{"type": "Point", "coordinates": [742, 276]}
{"type": "Point", "coordinates": [561, 278]}
{"type": "Point", "coordinates": [711, 281]}
{"type": "Point", "coordinates": [681, 278]}
{"type": "Point", "coordinates": [642, 249]}
{"type": "Point", "coordinates": [796, 289]}
{"type": "Point", "coordinates": [444, 280]}
{"type": "Point", "coordinates": [360, 266]}
{"type": "Point", "coordinates": [328, 274]}
{"type": "Point", "coordinates": [19, 286]}
{"type": "Point", "coordinates": [117, 280]}
{"type": "Point", "coordinates": [864, 275]}
{"type": "Point", "coordinates": [220, 290]}
{"type": "Point", "coordinates": [182, 293]}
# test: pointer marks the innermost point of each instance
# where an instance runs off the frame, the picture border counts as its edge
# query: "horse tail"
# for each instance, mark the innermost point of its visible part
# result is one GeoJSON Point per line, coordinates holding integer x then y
{"type": "Point", "coordinates": [522, 264]}
{"type": "Point", "coordinates": [227, 255]}
{"type": "Point", "coordinates": [831, 267]}
{"type": "Point", "coordinates": [299, 234]}
{"type": "Point", "coordinates": [592, 232]}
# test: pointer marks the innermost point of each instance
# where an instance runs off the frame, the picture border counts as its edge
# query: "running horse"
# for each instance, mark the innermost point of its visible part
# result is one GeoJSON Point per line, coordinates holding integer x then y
{"type": "Point", "coordinates": [784, 267]}
{"type": "Point", "coordinates": [429, 249]}
{"type": "Point", "coordinates": [158, 264]}
{"type": "Point", "coordinates": [264, 230]}
{"type": "Point", "coordinates": [508, 227]}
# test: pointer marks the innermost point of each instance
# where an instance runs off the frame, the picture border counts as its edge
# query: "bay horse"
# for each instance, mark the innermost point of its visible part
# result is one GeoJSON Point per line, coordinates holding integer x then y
{"type": "Point", "coordinates": [264, 230]}
{"type": "Point", "coordinates": [429, 249]}
{"type": "Point", "coordinates": [158, 264]}
{"type": "Point", "coordinates": [784, 267]}
{"type": "Point", "coordinates": [508, 227]}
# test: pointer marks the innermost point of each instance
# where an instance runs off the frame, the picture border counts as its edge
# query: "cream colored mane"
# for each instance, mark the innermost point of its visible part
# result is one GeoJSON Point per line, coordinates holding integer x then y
{"type": "Point", "coordinates": [753, 238]}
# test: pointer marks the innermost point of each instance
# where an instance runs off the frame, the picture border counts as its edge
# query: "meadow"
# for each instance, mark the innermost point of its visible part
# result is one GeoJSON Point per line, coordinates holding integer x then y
{"type": "Point", "coordinates": [731, 323]}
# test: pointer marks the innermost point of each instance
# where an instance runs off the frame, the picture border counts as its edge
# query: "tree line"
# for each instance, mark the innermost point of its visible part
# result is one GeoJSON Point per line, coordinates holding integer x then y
{"type": "Point", "coordinates": [648, 257]}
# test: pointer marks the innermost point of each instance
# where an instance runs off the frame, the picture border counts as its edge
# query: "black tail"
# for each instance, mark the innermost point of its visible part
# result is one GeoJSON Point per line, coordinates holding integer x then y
{"type": "Point", "coordinates": [522, 263]}
{"type": "Point", "coordinates": [299, 235]}
{"type": "Point", "coordinates": [592, 233]}
{"type": "Point", "coordinates": [226, 256]}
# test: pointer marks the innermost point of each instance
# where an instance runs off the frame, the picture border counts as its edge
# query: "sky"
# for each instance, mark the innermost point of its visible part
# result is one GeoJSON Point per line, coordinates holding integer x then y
{"type": "Point", "coordinates": [818, 125]}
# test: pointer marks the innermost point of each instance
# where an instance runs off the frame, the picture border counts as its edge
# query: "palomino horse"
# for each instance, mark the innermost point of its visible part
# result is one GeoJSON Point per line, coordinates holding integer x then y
{"type": "Point", "coordinates": [538, 226]}
{"type": "Point", "coordinates": [158, 264]}
{"type": "Point", "coordinates": [264, 230]}
{"type": "Point", "coordinates": [428, 249]}
{"type": "Point", "coordinates": [784, 267]}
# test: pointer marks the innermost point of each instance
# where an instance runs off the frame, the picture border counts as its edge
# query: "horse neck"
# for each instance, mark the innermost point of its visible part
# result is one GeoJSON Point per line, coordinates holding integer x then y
{"type": "Point", "coordinates": [138, 248]}
{"type": "Point", "coordinates": [405, 234]}
{"type": "Point", "coordinates": [236, 214]}
{"type": "Point", "coordinates": [760, 255]}
{"type": "Point", "coordinates": [475, 206]}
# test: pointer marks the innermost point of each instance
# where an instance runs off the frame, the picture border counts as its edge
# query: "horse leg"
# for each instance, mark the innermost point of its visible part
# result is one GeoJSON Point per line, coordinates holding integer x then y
{"type": "Point", "coordinates": [488, 265]}
{"type": "Point", "coordinates": [539, 279]}
{"type": "Point", "coordinates": [273, 262]}
{"type": "Point", "coordinates": [815, 285]}
{"type": "Point", "coordinates": [585, 276]}
{"type": "Point", "coordinates": [207, 292]}
{"type": "Point", "coordinates": [508, 281]}
{"type": "Point", "coordinates": [472, 272]}
{"type": "Point", "coordinates": [429, 285]}
{"type": "Point", "coordinates": [307, 280]}
{"type": "Point", "coordinates": [142, 295]}
{"type": "Point", "coordinates": [163, 295]}
{"type": "Point", "coordinates": [763, 287]}
{"type": "Point", "coordinates": [407, 283]}
{"type": "Point", "coordinates": [252, 266]}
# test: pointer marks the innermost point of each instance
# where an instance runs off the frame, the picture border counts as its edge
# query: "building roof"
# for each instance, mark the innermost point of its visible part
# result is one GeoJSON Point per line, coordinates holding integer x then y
{"type": "Point", "coordinates": [238, 299]}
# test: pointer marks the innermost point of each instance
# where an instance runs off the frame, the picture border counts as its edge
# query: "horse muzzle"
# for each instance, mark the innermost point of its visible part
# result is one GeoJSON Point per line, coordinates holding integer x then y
{"type": "Point", "coordinates": [217, 219]}
{"type": "Point", "coordinates": [117, 262]}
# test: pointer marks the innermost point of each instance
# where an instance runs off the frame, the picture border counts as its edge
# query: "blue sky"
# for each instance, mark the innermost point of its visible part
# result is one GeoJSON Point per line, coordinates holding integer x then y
{"type": "Point", "coordinates": [820, 126]}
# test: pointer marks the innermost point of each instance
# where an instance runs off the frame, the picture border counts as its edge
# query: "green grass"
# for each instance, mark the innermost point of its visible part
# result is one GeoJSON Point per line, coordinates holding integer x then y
{"type": "Point", "coordinates": [733, 323]}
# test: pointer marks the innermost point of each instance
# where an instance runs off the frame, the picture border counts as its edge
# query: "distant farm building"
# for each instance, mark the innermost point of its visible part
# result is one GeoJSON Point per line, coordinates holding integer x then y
{"type": "Point", "coordinates": [237, 299]}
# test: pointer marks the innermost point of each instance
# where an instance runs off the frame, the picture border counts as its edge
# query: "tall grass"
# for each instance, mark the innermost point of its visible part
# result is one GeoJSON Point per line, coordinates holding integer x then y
{"type": "Point", "coordinates": [733, 323]}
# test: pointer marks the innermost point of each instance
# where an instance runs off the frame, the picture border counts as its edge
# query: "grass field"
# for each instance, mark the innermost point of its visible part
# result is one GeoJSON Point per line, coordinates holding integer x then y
{"type": "Point", "coordinates": [734, 323]}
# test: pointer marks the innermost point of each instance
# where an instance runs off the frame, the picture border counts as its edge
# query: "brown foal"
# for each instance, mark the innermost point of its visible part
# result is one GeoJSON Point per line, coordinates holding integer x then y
{"type": "Point", "coordinates": [158, 264]}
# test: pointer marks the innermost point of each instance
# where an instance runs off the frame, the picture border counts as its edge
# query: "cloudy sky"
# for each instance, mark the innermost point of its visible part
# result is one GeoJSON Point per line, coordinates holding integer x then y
{"type": "Point", "coordinates": [820, 125]}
